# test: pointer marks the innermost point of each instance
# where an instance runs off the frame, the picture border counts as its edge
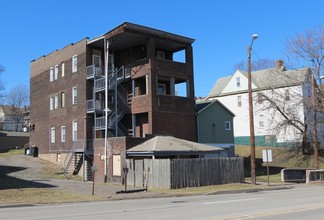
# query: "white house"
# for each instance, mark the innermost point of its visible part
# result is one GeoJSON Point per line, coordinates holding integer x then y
{"type": "Point", "coordinates": [287, 90]}
{"type": "Point", "coordinates": [12, 119]}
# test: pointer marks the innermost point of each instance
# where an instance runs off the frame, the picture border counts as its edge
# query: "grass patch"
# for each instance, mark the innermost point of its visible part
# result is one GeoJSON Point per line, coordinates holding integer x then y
{"type": "Point", "coordinates": [282, 157]}
{"type": "Point", "coordinates": [42, 196]}
{"type": "Point", "coordinates": [13, 152]}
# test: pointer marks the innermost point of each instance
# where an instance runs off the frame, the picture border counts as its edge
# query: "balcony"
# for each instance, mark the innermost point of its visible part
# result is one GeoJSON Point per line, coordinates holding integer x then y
{"type": "Point", "coordinates": [100, 123]}
{"type": "Point", "coordinates": [95, 105]}
{"type": "Point", "coordinates": [94, 72]}
{"type": "Point", "coordinates": [99, 84]}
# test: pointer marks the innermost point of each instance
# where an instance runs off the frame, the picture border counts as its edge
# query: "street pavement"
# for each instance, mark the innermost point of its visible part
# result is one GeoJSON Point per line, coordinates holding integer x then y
{"type": "Point", "coordinates": [299, 202]}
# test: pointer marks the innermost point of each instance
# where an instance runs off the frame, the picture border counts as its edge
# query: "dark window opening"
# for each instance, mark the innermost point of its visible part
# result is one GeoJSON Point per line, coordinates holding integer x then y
{"type": "Point", "coordinates": [140, 86]}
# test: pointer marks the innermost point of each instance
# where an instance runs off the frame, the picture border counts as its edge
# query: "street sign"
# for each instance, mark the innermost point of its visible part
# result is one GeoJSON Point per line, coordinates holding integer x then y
{"type": "Point", "coordinates": [267, 155]}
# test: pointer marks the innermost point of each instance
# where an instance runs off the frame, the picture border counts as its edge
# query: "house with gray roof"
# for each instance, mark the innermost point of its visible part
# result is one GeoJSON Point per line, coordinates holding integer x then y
{"type": "Point", "coordinates": [215, 126]}
{"type": "Point", "coordinates": [288, 90]}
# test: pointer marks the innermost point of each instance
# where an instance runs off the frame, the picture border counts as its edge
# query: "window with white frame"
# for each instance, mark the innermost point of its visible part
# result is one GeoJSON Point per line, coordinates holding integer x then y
{"type": "Point", "coordinates": [55, 72]}
{"type": "Point", "coordinates": [261, 121]}
{"type": "Point", "coordinates": [62, 69]}
{"type": "Point", "coordinates": [287, 96]}
{"type": "Point", "coordinates": [52, 135]}
{"type": "Point", "coordinates": [62, 99]}
{"type": "Point", "coordinates": [260, 98]}
{"type": "Point", "coordinates": [74, 63]}
{"type": "Point", "coordinates": [238, 81]}
{"type": "Point", "coordinates": [51, 103]}
{"type": "Point", "coordinates": [51, 74]}
{"type": "Point", "coordinates": [74, 95]}
{"type": "Point", "coordinates": [74, 130]}
{"type": "Point", "coordinates": [62, 133]}
{"type": "Point", "coordinates": [227, 125]}
{"type": "Point", "coordinates": [239, 101]}
{"type": "Point", "coordinates": [55, 101]}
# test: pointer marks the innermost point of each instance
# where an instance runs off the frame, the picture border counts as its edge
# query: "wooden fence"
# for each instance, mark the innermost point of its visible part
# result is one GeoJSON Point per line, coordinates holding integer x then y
{"type": "Point", "coordinates": [181, 173]}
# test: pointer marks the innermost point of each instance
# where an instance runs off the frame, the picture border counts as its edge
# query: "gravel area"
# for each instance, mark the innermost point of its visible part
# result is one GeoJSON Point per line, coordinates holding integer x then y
{"type": "Point", "coordinates": [23, 171]}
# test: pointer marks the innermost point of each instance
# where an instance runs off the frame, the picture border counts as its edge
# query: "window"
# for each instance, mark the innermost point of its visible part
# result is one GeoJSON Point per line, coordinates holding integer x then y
{"type": "Point", "coordinates": [62, 69]}
{"type": "Point", "coordinates": [63, 134]}
{"type": "Point", "coordinates": [56, 102]}
{"type": "Point", "coordinates": [74, 95]}
{"type": "Point", "coordinates": [239, 101]}
{"type": "Point", "coordinates": [227, 125]}
{"type": "Point", "coordinates": [52, 135]}
{"type": "Point", "coordinates": [260, 98]}
{"type": "Point", "coordinates": [51, 103]}
{"type": "Point", "coordinates": [62, 99]}
{"type": "Point", "coordinates": [261, 121]}
{"type": "Point", "coordinates": [74, 63]}
{"type": "Point", "coordinates": [51, 74]}
{"type": "Point", "coordinates": [74, 130]}
{"type": "Point", "coordinates": [287, 96]}
{"type": "Point", "coordinates": [238, 82]}
{"type": "Point", "coordinates": [55, 72]}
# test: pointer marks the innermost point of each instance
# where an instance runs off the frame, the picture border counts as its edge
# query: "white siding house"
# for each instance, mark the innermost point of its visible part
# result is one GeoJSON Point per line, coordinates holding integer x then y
{"type": "Point", "coordinates": [286, 88]}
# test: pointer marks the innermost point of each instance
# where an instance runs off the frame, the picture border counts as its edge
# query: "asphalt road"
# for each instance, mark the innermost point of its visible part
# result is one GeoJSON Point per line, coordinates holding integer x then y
{"type": "Point", "coordinates": [301, 202]}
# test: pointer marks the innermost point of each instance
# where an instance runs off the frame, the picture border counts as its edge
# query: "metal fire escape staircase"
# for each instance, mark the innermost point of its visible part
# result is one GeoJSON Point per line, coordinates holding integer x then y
{"type": "Point", "coordinates": [122, 104]}
{"type": "Point", "coordinates": [116, 90]}
{"type": "Point", "coordinates": [80, 151]}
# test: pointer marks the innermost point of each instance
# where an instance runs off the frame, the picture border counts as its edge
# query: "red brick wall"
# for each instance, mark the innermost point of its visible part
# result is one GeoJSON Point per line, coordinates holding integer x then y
{"type": "Point", "coordinates": [115, 146]}
{"type": "Point", "coordinates": [41, 89]}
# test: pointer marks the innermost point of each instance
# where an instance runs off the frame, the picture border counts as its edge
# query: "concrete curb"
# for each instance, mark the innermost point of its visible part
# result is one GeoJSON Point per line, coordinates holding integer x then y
{"type": "Point", "coordinates": [250, 190]}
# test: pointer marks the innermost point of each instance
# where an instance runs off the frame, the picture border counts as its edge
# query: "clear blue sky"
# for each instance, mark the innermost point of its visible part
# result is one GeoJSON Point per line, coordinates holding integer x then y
{"type": "Point", "coordinates": [222, 29]}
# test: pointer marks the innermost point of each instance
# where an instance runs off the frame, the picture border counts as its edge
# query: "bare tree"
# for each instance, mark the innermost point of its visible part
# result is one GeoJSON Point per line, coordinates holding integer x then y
{"type": "Point", "coordinates": [17, 99]}
{"type": "Point", "coordinates": [256, 65]}
{"type": "Point", "coordinates": [303, 50]}
{"type": "Point", "coordinates": [2, 69]}
{"type": "Point", "coordinates": [307, 49]}
{"type": "Point", "coordinates": [282, 107]}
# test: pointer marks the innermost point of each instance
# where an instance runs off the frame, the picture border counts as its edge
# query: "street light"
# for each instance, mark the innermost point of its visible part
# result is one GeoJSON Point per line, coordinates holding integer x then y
{"type": "Point", "coordinates": [252, 138]}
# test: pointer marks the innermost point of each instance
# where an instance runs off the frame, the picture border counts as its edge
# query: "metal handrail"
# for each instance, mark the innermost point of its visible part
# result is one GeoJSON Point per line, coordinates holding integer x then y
{"type": "Point", "coordinates": [77, 146]}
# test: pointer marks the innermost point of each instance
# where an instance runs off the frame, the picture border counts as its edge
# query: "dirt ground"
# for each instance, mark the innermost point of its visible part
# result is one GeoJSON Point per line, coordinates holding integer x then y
{"type": "Point", "coordinates": [25, 179]}
{"type": "Point", "coordinates": [29, 180]}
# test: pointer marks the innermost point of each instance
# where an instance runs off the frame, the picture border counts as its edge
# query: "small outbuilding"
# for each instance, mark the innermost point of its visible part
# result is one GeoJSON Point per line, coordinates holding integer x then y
{"type": "Point", "coordinates": [162, 147]}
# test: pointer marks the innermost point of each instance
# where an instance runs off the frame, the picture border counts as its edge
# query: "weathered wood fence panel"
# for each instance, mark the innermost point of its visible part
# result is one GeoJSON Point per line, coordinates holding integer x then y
{"type": "Point", "coordinates": [149, 173]}
{"type": "Point", "coordinates": [204, 172]}
{"type": "Point", "coordinates": [181, 173]}
{"type": "Point", "coordinates": [158, 173]}
{"type": "Point", "coordinates": [135, 172]}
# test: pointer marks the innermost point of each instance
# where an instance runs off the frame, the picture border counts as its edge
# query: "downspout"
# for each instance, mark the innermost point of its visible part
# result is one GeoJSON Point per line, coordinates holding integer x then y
{"type": "Point", "coordinates": [106, 105]}
{"type": "Point", "coordinates": [133, 116]}
{"type": "Point", "coordinates": [116, 106]}
{"type": "Point", "coordinates": [197, 125]}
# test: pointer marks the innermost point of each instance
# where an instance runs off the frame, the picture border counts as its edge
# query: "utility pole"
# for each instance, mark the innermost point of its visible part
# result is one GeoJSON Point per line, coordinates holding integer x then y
{"type": "Point", "coordinates": [252, 136]}
{"type": "Point", "coordinates": [315, 123]}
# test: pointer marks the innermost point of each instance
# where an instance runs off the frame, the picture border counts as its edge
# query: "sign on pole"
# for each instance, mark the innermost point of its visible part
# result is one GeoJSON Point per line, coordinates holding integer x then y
{"type": "Point", "coordinates": [267, 155]}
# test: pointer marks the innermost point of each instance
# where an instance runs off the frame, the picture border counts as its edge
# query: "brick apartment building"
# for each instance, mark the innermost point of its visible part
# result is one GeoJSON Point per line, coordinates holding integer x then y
{"type": "Point", "coordinates": [132, 68]}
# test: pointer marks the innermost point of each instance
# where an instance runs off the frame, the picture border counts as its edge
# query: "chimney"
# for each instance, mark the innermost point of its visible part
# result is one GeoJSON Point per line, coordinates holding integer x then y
{"type": "Point", "coordinates": [280, 65]}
